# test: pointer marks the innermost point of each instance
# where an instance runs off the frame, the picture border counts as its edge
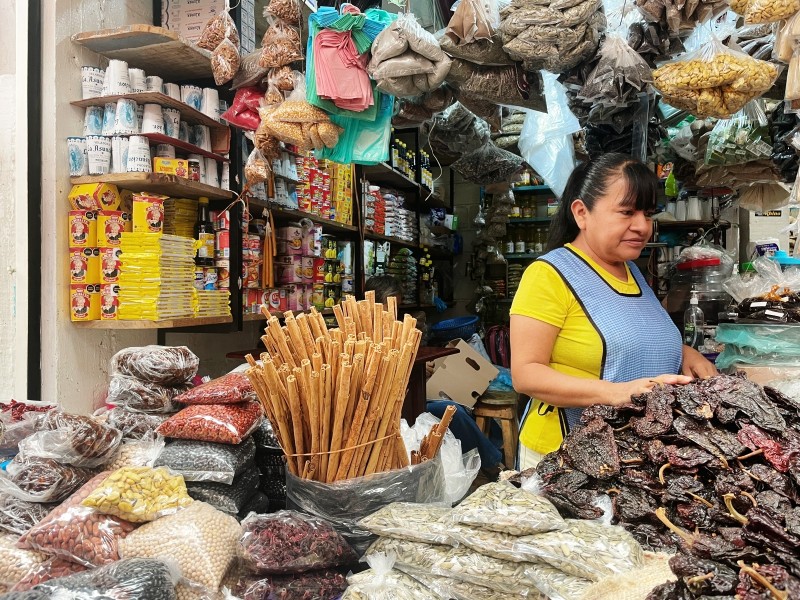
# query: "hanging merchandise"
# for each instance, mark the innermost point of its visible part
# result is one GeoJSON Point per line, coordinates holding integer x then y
{"type": "Point", "coordinates": [546, 138]}
{"type": "Point", "coordinates": [456, 130]}
{"type": "Point", "coordinates": [250, 72]}
{"type": "Point", "coordinates": [341, 74]}
{"type": "Point", "coordinates": [620, 76]}
{"type": "Point", "coordinates": [222, 38]}
{"type": "Point", "coordinates": [784, 128]}
{"type": "Point", "coordinates": [225, 62]}
{"type": "Point", "coordinates": [680, 16]}
{"type": "Point", "coordinates": [714, 80]}
{"type": "Point", "coordinates": [485, 52]}
{"type": "Point", "coordinates": [407, 60]}
{"type": "Point", "coordinates": [508, 85]}
{"type": "Point", "coordinates": [280, 45]}
{"type": "Point", "coordinates": [472, 20]}
{"type": "Point", "coordinates": [554, 36]}
{"type": "Point", "coordinates": [653, 42]}
{"type": "Point", "coordinates": [257, 169]}
{"type": "Point", "coordinates": [243, 112]}
{"type": "Point", "coordinates": [765, 11]}
{"type": "Point", "coordinates": [785, 38]}
{"type": "Point", "coordinates": [740, 139]}
{"type": "Point", "coordinates": [634, 129]}
{"type": "Point", "coordinates": [764, 197]}
{"type": "Point", "coordinates": [757, 41]}
{"type": "Point", "coordinates": [412, 112]}
{"type": "Point", "coordinates": [487, 165]}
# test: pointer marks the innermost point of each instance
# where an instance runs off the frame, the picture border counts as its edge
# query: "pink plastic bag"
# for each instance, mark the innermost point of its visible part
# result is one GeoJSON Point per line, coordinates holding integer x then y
{"type": "Point", "coordinates": [232, 388]}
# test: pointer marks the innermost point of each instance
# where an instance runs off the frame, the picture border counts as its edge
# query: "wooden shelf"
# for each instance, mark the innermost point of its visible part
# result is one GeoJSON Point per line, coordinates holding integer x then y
{"type": "Point", "coordinates": [286, 179]}
{"type": "Point", "coordinates": [286, 213]}
{"type": "Point", "coordinates": [523, 256]}
{"type": "Point", "coordinates": [260, 317]}
{"type": "Point", "coordinates": [162, 324]}
{"type": "Point", "coordinates": [188, 114]}
{"type": "Point", "coordinates": [168, 185]}
{"type": "Point", "coordinates": [156, 50]}
{"type": "Point", "coordinates": [160, 138]}
{"type": "Point", "coordinates": [383, 174]}
{"type": "Point", "coordinates": [520, 221]}
{"type": "Point", "coordinates": [531, 188]}
{"type": "Point", "coordinates": [388, 238]}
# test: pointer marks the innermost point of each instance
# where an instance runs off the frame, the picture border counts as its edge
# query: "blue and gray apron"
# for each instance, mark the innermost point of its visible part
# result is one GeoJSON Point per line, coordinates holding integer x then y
{"type": "Point", "coordinates": [639, 338]}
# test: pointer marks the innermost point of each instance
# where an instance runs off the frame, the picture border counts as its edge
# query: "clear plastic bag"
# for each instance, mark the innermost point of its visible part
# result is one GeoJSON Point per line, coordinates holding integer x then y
{"type": "Point", "coordinates": [14, 431]}
{"type": "Point", "coordinates": [220, 423]}
{"type": "Point", "coordinates": [290, 542]}
{"type": "Point", "coordinates": [446, 587]}
{"type": "Point", "coordinates": [316, 585]}
{"type": "Point", "coordinates": [225, 62]}
{"type": "Point", "coordinates": [786, 39]}
{"type": "Point", "coordinates": [765, 11]}
{"type": "Point", "coordinates": [165, 365]}
{"type": "Point", "coordinates": [18, 516]}
{"type": "Point", "coordinates": [488, 164]}
{"type": "Point", "coordinates": [15, 562]}
{"type": "Point", "coordinates": [138, 453]}
{"type": "Point", "coordinates": [346, 502]}
{"type": "Point", "coordinates": [77, 533]}
{"type": "Point", "coordinates": [264, 436]}
{"type": "Point", "coordinates": [410, 521]}
{"type": "Point", "coordinates": [207, 461]}
{"type": "Point", "coordinates": [139, 494]}
{"type": "Point", "coordinates": [258, 503]}
{"type": "Point", "coordinates": [502, 507]}
{"type": "Point", "coordinates": [228, 389]}
{"type": "Point", "coordinates": [488, 542]}
{"type": "Point", "coordinates": [764, 197]}
{"type": "Point", "coordinates": [75, 440]}
{"type": "Point", "coordinates": [620, 75]}
{"type": "Point", "coordinates": [45, 571]}
{"type": "Point", "coordinates": [470, 22]}
{"type": "Point", "coordinates": [35, 479]}
{"type": "Point", "coordinates": [280, 45]}
{"type": "Point", "coordinates": [555, 584]}
{"type": "Point", "coordinates": [243, 112]}
{"type": "Point", "coordinates": [585, 549]}
{"type": "Point", "coordinates": [257, 169]}
{"type": "Point", "coordinates": [742, 138]}
{"type": "Point", "coordinates": [219, 28]}
{"type": "Point", "coordinates": [139, 396]}
{"type": "Point", "coordinates": [200, 538]}
{"type": "Point", "coordinates": [122, 580]}
{"type": "Point", "coordinates": [231, 498]}
{"type": "Point", "coordinates": [458, 129]}
{"type": "Point", "coordinates": [134, 425]}
{"type": "Point", "coordinates": [486, 52]}
{"type": "Point", "coordinates": [288, 10]}
{"type": "Point", "coordinates": [507, 85]}
{"type": "Point", "coordinates": [382, 582]}
{"type": "Point", "coordinates": [250, 72]}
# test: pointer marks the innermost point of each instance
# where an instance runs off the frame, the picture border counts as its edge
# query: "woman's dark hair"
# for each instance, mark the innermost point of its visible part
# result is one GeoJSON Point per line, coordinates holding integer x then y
{"type": "Point", "coordinates": [590, 180]}
{"type": "Point", "coordinates": [383, 286]}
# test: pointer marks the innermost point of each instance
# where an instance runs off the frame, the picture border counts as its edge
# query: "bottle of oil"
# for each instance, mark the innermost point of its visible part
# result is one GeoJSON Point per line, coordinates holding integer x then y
{"type": "Point", "coordinates": [204, 232]}
{"type": "Point", "coordinates": [519, 241]}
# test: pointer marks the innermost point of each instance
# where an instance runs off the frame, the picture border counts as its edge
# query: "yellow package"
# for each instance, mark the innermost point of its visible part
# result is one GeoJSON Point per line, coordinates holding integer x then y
{"type": "Point", "coordinates": [84, 302]}
{"type": "Point", "coordinates": [84, 265]}
{"type": "Point", "coordinates": [82, 229]}
{"type": "Point", "coordinates": [139, 494]}
{"type": "Point", "coordinates": [148, 213]}
{"type": "Point", "coordinates": [171, 166]}
{"type": "Point", "coordinates": [94, 196]}
{"type": "Point", "coordinates": [109, 302]}
{"type": "Point", "coordinates": [110, 225]}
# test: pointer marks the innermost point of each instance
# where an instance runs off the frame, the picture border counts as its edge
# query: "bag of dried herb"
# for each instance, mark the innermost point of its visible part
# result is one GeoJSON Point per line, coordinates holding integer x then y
{"type": "Point", "coordinates": [290, 542]}
{"type": "Point", "coordinates": [487, 165]}
{"type": "Point", "coordinates": [317, 584]}
{"type": "Point", "coordinates": [410, 521]}
{"type": "Point", "coordinates": [502, 507]}
{"type": "Point", "coordinates": [620, 75]}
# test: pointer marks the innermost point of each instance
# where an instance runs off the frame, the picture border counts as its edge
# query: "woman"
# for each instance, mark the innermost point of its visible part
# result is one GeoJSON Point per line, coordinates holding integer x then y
{"type": "Point", "coordinates": [584, 312]}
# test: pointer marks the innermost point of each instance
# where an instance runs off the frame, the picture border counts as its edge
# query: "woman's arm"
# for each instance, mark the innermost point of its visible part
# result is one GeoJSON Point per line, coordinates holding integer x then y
{"type": "Point", "coordinates": [696, 365]}
{"type": "Point", "coordinates": [532, 344]}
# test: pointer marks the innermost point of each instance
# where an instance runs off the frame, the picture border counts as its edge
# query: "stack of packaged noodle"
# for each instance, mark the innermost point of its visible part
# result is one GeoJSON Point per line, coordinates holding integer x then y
{"type": "Point", "coordinates": [212, 303]}
{"type": "Point", "coordinates": [158, 282]}
{"type": "Point", "coordinates": [180, 215]}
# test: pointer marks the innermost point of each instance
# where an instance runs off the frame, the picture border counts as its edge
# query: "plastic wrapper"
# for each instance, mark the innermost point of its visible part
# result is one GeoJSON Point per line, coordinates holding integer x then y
{"type": "Point", "coordinates": [446, 587]}
{"type": "Point", "coordinates": [488, 542]}
{"type": "Point", "coordinates": [49, 569]}
{"type": "Point", "coordinates": [122, 580]}
{"type": "Point", "coordinates": [202, 540]}
{"type": "Point", "coordinates": [768, 277]}
{"type": "Point", "coordinates": [250, 72]}
{"type": "Point", "coordinates": [680, 17]}
{"type": "Point", "coordinates": [225, 62]}
{"type": "Point", "coordinates": [502, 507]}
{"type": "Point", "coordinates": [382, 582]}
{"type": "Point", "coordinates": [264, 436]}
{"type": "Point", "coordinates": [457, 129]}
{"type": "Point", "coordinates": [228, 389]}
{"type": "Point", "coordinates": [486, 52]}
{"type": "Point", "coordinates": [137, 453]}
{"type": "Point", "coordinates": [555, 584]}
{"type": "Point", "coordinates": [227, 498]}
{"type": "Point", "coordinates": [207, 461]}
{"type": "Point", "coordinates": [138, 396]}
{"type": "Point", "coordinates": [764, 197]}
{"type": "Point", "coordinates": [76, 440]}
{"type": "Point", "coordinates": [488, 164]}
{"type": "Point", "coordinates": [508, 85]}
{"type": "Point", "coordinates": [18, 516]}
{"type": "Point", "coordinates": [316, 585]}
{"type": "Point", "coordinates": [15, 562]}
{"type": "Point", "coordinates": [755, 344]}
{"type": "Point", "coordinates": [585, 549]}
{"type": "Point", "coordinates": [280, 45]}
{"type": "Point", "coordinates": [470, 22]}
{"type": "Point", "coordinates": [219, 28]}
{"type": "Point", "coordinates": [139, 494]}
{"type": "Point", "coordinates": [134, 425]}
{"type": "Point", "coordinates": [714, 80]}
{"type": "Point", "coordinates": [288, 10]}
{"type": "Point", "coordinates": [786, 39]}
{"type": "Point", "coordinates": [765, 11]}
{"type": "Point", "coordinates": [289, 542]}
{"type": "Point", "coordinates": [77, 533]}
{"type": "Point", "coordinates": [258, 503]}
{"type": "Point", "coordinates": [409, 521]}
{"type": "Point", "coordinates": [346, 502]}
{"type": "Point", "coordinates": [740, 139]}
{"type": "Point", "coordinates": [736, 176]}
{"type": "Point", "coordinates": [18, 421]}
{"type": "Point", "coordinates": [243, 112]}
{"type": "Point", "coordinates": [220, 423]}
{"type": "Point", "coordinates": [165, 365]}
{"type": "Point", "coordinates": [619, 77]}
{"type": "Point", "coordinates": [35, 479]}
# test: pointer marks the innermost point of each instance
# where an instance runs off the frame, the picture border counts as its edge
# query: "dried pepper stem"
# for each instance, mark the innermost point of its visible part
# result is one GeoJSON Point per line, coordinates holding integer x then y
{"type": "Point", "coordinates": [663, 468]}
{"type": "Point", "coordinates": [700, 578]}
{"type": "Point", "coordinates": [700, 499]}
{"type": "Point", "coordinates": [661, 515]}
{"type": "Point", "coordinates": [763, 581]}
{"type": "Point", "coordinates": [750, 497]}
{"type": "Point", "coordinates": [728, 498]}
{"type": "Point", "coordinates": [751, 454]}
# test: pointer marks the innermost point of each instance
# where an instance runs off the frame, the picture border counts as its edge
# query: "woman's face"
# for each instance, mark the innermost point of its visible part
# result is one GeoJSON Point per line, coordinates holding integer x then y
{"type": "Point", "coordinates": [615, 231]}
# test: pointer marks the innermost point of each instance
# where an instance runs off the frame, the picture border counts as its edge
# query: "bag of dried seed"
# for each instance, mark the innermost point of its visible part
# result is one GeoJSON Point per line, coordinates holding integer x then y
{"type": "Point", "coordinates": [382, 582]}
{"type": "Point", "coordinates": [409, 521]}
{"type": "Point", "coordinates": [225, 62]}
{"type": "Point", "coordinates": [219, 28]}
{"type": "Point", "coordinates": [280, 45]}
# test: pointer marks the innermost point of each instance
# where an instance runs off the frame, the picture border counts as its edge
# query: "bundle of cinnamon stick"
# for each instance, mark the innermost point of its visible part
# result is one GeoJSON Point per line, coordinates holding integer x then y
{"type": "Point", "coordinates": [334, 396]}
{"type": "Point", "coordinates": [431, 443]}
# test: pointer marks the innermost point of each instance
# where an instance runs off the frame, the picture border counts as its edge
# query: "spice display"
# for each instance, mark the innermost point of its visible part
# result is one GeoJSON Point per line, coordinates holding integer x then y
{"type": "Point", "coordinates": [313, 585]}
{"type": "Point", "coordinates": [18, 516]}
{"type": "Point", "coordinates": [502, 507]}
{"type": "Point", "coordinates": [228, 389]}
{"type": "Point", "coordinates": [486, 52]}
{"type": "Point", "coordinates": [460, 590]}
{"type": "Point", "coordinates": [508, 85]}
{"type": "Point", "coordinates": [555, 36]}
{"type": "Point", "coordinates": [220, 423]}
{"type": "Point", "coordinates": [76, 440]}
{"type": "Point", "coordinates": [219, 28]}
{"type": "Point", "coordinates": [619, 77]}
{"type": "Point", "coordinates": [227, 498]}
{"type": "Point", "coordinates": [15, 562]}
{"type": "Point", "coordinates": [206, 461]}
{"type": "Point", "coordinates": [740, 139]}
{"type": "Point", "coordinates": [289, 542]}
{"type": "Point", "coordinates": [555, 584]}
{"type": "Point", "coordinates": [488, 164]}
{"type": "Point", "coordinates": [49, 569]}
{"type": "Point", "coordinates": [136, 395]}
{"type": "Point", "coordinates": [78, 533]}
{"type": "Point", "coordinates": [350, 427]}
{"type": "Point", "coordinates": [201, 539]}
{"type": "Point", "coordinates": [410, 521]}
{"type": "Point", "coordinates": [413, 555]}
{"type": "Point", "coordinates": [297, 122]}
{"type": "Point", "coordinates": [382, 582]}
{"type": "Point", "coordinates": [36, 479]}
{"type": "Point", "coordinates": [680, 17]}
{"type": "Point", "coordinates": [491, 543]}
{"type": "Point", "coordinates": [714, 80]}
{"type": "Point", "coordinates": [139, 494]}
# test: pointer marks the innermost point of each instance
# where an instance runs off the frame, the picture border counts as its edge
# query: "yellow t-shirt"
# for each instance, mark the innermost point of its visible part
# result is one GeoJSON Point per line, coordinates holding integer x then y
{"type": "Point", "coordinates": [578, 350]}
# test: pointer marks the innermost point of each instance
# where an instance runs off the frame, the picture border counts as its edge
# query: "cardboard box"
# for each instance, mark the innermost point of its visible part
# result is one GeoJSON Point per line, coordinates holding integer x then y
{"type": "Point", "coordinates": [290, 240]}
{"type": "Point", "coordinates": [84, 302]}
{"type": "Point", "coordinates": [110, 265]}
{"type": "Point", "coordinates": [84, 266]}
{"type": "Point", "coordinates": [109, 302]}
{"type": "Point", "coordinates": [148, 213]}
{"type": "Point", "coordinates": [461, 377]}
{"type": "Point", "coordinates": [94, 196]}
{"type": "Point", "coordinates": [110, 226]}
{"type": "Point", "coordinates": [288, 273]}
{"type": "Point", "coordinates": [82, 229]}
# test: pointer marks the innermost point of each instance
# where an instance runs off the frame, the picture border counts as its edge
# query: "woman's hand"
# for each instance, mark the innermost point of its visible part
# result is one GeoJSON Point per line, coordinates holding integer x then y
{"type": "Point", "coordinates": [619, 394]}
{"type": "Point", "coordinates": [696, 365]}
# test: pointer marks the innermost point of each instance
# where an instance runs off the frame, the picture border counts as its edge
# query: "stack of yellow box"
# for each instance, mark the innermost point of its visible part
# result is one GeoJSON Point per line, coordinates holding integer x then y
{"type": "Point", "coordinates": [157, 281]}
{"type": "Point", "coordinates": [180, 216]}
{"type": "Point", "coordinates": [213, 303]}
{"type": "Point", "coordinates": [341, 192]}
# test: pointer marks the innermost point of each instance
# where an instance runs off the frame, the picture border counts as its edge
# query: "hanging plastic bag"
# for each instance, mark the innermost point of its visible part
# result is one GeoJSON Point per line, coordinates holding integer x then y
{"type": "Point", "coordinates": [619, 77]}
{"type": "Point", "coordinates": [225, 62]}
{"type": "Point", "coordinates": [280, 45]}
{"type": "Point", "coordinates": [288, 10]}
{"type": "Point", "coordinates": [219, 28]}
{"type": "Point", "coordinates": [488, 164]}
{"type": "Point", "coordinates": [257, 169]}
{"type": "Point", "coordinates": [243, 113]}
{"type": "Point", "coordinates": [765, 11]}
{"type": "Point", "coordinates": [763, 197]}
{"type": "Point", "coordinates": [740, 139]}
{"type": "Point", "coordinates": [786, 39]}
{"type": "Point", "coordinates": [470, 22]}
{"type": "Point", "coordinates": [283, 78]}
{"type": "Point", "coordinates": [486, 52]}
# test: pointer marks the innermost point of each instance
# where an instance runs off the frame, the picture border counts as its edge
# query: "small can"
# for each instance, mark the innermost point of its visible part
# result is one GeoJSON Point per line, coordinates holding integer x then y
{"type": "Point", "coordinates": [223, 274]}
{"type": "Point", "coordinates": [194, 170]}
{"type": "Point", "coordinates": [223, 245]}
{"type": "Point", "coordinates": [82, 229]}
{"type": "Point", "coordinates": [199, 278]}
{"type": "Point", "coordinates": [210, 278]}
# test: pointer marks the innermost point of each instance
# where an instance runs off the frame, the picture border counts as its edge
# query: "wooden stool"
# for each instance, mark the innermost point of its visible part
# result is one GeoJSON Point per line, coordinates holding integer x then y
{"type": "Point", "coordinates": [503, 407]}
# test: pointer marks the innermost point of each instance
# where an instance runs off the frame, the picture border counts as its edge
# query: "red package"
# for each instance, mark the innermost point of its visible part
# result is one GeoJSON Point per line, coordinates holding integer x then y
{"type": "Point", "coordinates": [243, 113]}
{"type": "Point", "coordinates": [221, 423]}
{"type": "Point", "coordinates": [228, 389]}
